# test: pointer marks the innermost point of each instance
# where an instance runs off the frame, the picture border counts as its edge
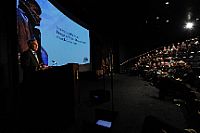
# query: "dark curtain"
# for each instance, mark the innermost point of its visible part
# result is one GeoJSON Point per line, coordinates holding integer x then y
{"type": "Point", "coordinates": [9, 80]}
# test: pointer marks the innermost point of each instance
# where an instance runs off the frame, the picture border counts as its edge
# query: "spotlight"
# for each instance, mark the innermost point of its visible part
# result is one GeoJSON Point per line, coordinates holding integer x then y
{"type": "Point", "coordinates": [189, 25]}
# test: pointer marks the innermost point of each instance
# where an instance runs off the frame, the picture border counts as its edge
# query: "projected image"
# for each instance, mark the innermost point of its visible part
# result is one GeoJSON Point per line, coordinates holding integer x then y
{"type": "Point", "coordinates": [63, 40]}
{"type": "Point", "coordinates": [28, 16]}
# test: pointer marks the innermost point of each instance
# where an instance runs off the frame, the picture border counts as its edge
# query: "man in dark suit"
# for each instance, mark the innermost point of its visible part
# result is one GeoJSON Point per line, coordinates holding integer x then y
{"type": "Point", "coordinates": [29, 58]}
{"type": "Point", "coordinates": [30, 62]}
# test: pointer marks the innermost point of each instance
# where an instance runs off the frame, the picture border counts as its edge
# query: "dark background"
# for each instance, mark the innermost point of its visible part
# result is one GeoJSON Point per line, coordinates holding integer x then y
{"type": "Point", "coordinates": [134, 23]}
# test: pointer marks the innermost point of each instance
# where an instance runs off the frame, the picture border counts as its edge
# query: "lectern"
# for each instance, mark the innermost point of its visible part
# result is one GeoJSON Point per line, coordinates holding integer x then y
{"type": "Point", "coordinates": [50, 100]}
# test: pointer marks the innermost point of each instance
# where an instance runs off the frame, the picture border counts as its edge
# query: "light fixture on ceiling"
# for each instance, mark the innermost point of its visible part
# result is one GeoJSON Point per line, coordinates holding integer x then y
{"type": "Point", "coordinates": [189, 25]}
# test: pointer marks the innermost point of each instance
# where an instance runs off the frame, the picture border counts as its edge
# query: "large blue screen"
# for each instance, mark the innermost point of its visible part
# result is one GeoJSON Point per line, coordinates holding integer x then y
{"type": "Point", "coordinates": [64, 40]}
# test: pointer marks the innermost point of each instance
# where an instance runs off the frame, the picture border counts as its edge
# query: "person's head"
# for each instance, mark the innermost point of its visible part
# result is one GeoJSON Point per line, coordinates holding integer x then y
{"type": "Point", "coordinates": [32, 10]}
{"type": "Point", "coordinates": [35, 10]}
{"type": "Point", "coordinates": [33, 44]}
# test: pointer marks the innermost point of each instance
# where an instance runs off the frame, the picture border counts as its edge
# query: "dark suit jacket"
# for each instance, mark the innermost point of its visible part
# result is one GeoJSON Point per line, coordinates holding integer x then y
{"type": "Point", "coordinates": [29, 63]}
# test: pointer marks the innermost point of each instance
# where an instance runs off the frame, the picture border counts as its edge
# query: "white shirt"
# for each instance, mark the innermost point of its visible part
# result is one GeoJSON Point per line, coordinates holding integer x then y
{"type": "Point", "coordinates": [35, 54]}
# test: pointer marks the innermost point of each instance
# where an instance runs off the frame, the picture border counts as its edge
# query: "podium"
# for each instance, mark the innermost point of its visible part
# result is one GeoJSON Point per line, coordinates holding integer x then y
{"type": "Point", "coordinates": [50, 100]}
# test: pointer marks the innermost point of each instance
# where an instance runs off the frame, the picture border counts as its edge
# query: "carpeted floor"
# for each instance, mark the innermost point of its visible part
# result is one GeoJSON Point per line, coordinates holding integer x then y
{"type": "Point", "coordinates": [134, 101]}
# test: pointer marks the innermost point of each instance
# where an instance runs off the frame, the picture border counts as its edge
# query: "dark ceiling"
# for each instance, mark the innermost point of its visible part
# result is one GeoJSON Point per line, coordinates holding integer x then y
{"type": "Point", "coordinates": [129, 21]}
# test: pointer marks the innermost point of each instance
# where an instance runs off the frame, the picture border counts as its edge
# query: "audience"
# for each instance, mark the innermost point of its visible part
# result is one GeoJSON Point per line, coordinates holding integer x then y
{"type": "Point", "coordinates": [174, 69]}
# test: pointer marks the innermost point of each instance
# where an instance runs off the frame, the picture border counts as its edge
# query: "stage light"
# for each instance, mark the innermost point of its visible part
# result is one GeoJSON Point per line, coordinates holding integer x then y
{"type": "Point", "coordinates": [167, 3]}
{"type": "Point", "coordinates": [189, 25]}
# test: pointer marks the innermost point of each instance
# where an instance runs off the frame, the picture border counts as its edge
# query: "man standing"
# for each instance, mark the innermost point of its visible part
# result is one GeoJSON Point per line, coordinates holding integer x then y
{"type": "Point", "coordinates": [30, 62]}
{"type": "Point", "coordinates": [29, 59]}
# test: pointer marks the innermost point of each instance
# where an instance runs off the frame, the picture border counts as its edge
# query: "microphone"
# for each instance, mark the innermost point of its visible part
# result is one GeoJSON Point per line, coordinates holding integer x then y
{"type": "Point", "coordinates": [54, 63]}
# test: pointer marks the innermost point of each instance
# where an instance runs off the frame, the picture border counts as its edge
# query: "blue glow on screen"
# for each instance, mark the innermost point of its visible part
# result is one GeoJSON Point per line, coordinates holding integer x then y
{"type": "Point", "coordinates": [64, 40]}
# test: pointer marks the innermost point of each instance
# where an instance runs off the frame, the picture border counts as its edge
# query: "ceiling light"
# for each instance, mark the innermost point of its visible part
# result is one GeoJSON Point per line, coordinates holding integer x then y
{"type": "Point", "coordinates": [167, 3]}
{"type": "Point", "coordinates": [189, 25]}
